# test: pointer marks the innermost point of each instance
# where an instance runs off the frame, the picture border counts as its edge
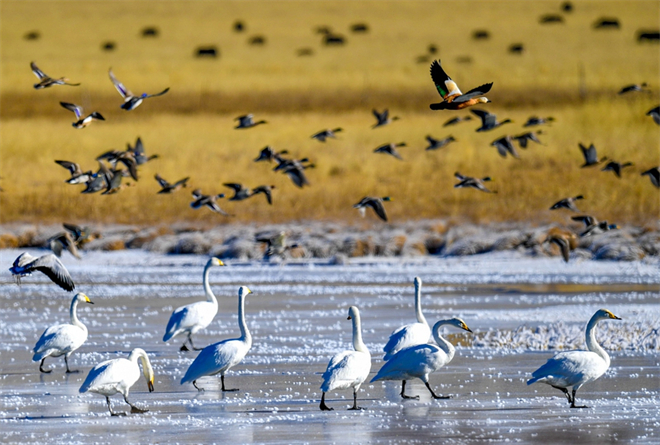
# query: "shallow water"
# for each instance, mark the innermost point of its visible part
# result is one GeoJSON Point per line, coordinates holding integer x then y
{"type": "Point", "coordinates": [517, 308]}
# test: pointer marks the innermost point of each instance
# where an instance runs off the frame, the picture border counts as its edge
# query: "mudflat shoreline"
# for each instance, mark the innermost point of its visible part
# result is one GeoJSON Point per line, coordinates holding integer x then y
{"type": "Point", "coordinates": [337, 242]}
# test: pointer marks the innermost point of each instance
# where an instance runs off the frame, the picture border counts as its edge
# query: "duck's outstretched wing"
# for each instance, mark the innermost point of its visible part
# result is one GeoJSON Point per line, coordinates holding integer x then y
{"type": "Point", "coordinates": [158, 94]}
{"type": "Point", "coordinates": [37, 72]}
{"type": "Point", "coordinates": [162, 182]}
{"type": "Point", "coordinates": [378, 207]}
{"type": "Point", "coordinates": [475, 92]}
{"type": "Point", "coordinates": [72, 107]}
{"type": "Point", "coordinates": [443, 83]}
{"type": "Point", "coordinates": [125, 92]}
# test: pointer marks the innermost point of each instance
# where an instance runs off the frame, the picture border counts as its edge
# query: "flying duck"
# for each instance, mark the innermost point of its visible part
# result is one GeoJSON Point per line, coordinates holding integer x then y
{"type": "Point", "coordinates": [457, 120]}
{"type": "Point", "coordinates": [241, 192]}
{"type": "Point", "coordinates": [374, 203]}
{"type": "Point", "coordinates": [633, 88]}
{"type": "Point", "coordinates": [138, 152]}
{"type": "Point", "coordinates": [524, 138]}
{"type": "Point", "coordinates": [435, 144]}
{"type": "Point", "coordinates": [270, 155]}
{"type": "Point", "coordinates": [166, 187]}
{"type": "Point", "coordinates": [565, 240]}
{"type": "Point", "coordinates": [467, 181]}
{"type": "Point", "coordinates": [247, 121]}
{"type": "Point", "coordinates": [323, 135]}
{"type": "Point", "coordinates": [567, 203]}
{"type": "Point", "coordinates": [535, 120]}
{"type": "Point", "coordinates": [616, 167]}
{"type": "Point", "coordinates": [130, 100]}
{"type": "Point", "coordinates": [77, 175]}
{"type": "Point", "coordinates": [504, 145]}
{"type": "Point", "coordinates": [592, 226]}
{"type": "Point", "coordinates": [453, 98]}
{"type": "Point", "coordinates": [488, 120]}
{"type": "Point", "coordinates": [654, 174]}
{"type": "Point", "coordinates": [383, 118]}
{"type": "Point", "coordinates": [590, 156]}
{"type": "Point", "coordinates": [81, 122]}
{"type": "Point", "coordinates": [45, 81]}
{"type": "Point", "coordinates": [208, 201]}
{"type": "Point", "coordinates": [390, 149]}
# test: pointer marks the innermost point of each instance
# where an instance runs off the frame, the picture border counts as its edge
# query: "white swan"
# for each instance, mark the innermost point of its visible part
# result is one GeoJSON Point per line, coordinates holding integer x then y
{"type": "Point", "coordinates": [421, 360]}
{"type": "Point", "coordinates": [348, 369]}
{"type": "Point", "coordinates": [219, 358]}
{"type": "Point", "coordinates": [62, 339]}
{"type": "Point", "coordinates": [410, 334]}
{"type": "Point", "coordinates": [117, 376]}
{"type": "Point", "coordinates": [575, 368]}
{"type": "Point", "coordinates": [193, 317]}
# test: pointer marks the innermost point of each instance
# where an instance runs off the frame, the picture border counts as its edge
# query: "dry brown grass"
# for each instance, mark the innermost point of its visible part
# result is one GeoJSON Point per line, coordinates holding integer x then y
{"type": "Point", "coordinates": [192, 128]}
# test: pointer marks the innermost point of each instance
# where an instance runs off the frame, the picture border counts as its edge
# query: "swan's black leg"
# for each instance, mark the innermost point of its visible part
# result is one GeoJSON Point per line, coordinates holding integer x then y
{"type": "Point", "coordinates": [222, 379]}
{"type": "Point", "coordinates": [355, 405]}
{"type": "Point", "coordinates": [193, 346]}
{"type": "Point", "coordinates": [323, 406]}
{"type": "Point", "coordinates": [403, 391]}
{"type": "Point", "coordinates": [566, 393]}
{"type": "Point", "coordinates": [135, 409]}
{"type": "Point", "coordinates": [112, 413]}
{"type": "Point", "coordinates": [198, 388]}
{"type": "Point", "coordinates": [66, 361]}
{"type": "Point", "coordinates": [434, 395]}
{"type": "Point", "coordinates": [573, 405]}
{"type": "Point", "coordinates": [41, 367]}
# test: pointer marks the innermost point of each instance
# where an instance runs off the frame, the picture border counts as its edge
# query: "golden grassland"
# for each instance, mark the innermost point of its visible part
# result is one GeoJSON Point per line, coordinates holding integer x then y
{"type": "Point", "coordinates": [191, 127]}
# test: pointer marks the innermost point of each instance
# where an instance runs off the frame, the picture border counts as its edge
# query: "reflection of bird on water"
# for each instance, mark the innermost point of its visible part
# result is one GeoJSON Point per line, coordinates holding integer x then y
{"type": "Point", "coordinates": [572, 369]}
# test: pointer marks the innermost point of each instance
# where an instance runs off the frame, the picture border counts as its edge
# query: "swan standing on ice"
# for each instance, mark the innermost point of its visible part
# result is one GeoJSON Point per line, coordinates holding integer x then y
{"type": "Point", "coordinates": [219, 358]}
{"type": "Point", "coordinates": [62, 339]}
{"type": "Point", "coordinates": [575, 368]}
{"type": "Point", "coordinates": [117, 376]}
{"type": "Point", "coordinates": [193, 317]}
{"type": "Point", "coordinates": [348, 369]}
{"type": "Point", "coordinates": [410, 334]}
{"type": "Point", "coordinates": [421, 360]}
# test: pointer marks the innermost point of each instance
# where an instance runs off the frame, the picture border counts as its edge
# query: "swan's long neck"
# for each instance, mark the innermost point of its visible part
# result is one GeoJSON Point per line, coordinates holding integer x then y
{"type": "Point", "coordinates": [207, 287]}
{"type": "Point", "coordinates": [139, 354]}
{"type": "Point", "coordinates": [442, 343]}
{"type": "Point", "coordinates": [245, 333]}
{"type": "Point", "coordinates": [592, 344]}
{"type": "Point", "coordinates": [418, 303]}
{"type": "Point", "coordinates": [358, 344]}
{"type": "Point", "coordinates": [73, 313]}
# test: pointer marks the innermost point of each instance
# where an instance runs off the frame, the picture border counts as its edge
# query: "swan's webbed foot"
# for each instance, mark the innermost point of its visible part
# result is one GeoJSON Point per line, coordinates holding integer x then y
{"type": "Point", "coordinates": [197, 387]}
{"type": "Point", "coordinates": [403, 392]}
{"type": "Point", "coordinates": [323, 406]}
{"type": "Point", "coordinates": [135, 409]}
{"type": "Point", "coordinates": [41, 367]}
{"type": "Point", "coordinates": [573, 405]}
{"type": "Point", "coordinates": [222, 379]}
{"type": "Point", "coordinates": [356, 408]}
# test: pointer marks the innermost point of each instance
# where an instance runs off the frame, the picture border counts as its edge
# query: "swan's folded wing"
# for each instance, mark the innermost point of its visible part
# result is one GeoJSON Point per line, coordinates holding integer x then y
{"type": "Point", "coordinates": [63, 337]}
{"type": "Point", "coordinates": [406, 336]}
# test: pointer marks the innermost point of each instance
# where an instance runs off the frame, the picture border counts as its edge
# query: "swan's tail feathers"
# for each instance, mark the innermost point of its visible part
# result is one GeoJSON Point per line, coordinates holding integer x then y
{"type": "Point", "coordinates": [40, 355]}
{"type": "Point", "coordinates": [533, 380]}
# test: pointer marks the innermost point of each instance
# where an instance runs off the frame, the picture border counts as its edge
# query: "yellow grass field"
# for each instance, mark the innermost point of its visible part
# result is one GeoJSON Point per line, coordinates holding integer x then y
{"type": "Point", "coordinates": [569, 70]}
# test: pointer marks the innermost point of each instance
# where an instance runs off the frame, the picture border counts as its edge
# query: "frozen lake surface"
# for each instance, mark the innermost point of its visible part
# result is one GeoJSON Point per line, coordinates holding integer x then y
{"type": "Point", "coordinates": [520, 309]}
